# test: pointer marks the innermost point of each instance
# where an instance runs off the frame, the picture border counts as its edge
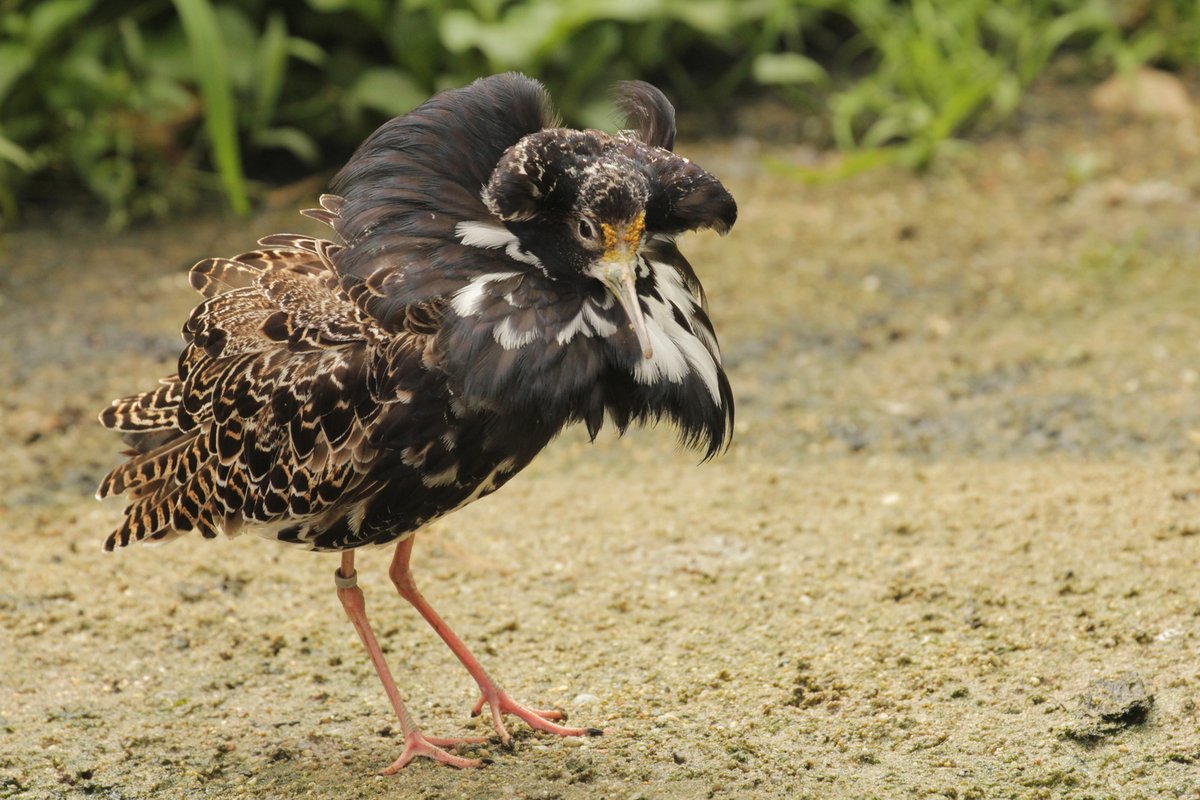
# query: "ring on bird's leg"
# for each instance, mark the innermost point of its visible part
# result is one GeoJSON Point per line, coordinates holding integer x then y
{"type": "Point", "coordinates": [343, 582]}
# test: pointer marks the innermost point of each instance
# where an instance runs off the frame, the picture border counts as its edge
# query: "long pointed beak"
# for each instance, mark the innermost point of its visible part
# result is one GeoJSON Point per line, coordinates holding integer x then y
{"type": "Point", "coordinates": [619, 277]}
{"type": "Point", "coordinates": [617, 269]}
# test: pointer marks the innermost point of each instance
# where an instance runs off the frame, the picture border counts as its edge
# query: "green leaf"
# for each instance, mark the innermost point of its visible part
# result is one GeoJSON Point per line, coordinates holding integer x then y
{"type": "Point", "coordinates": [168, 53]}
{"type": "Point", "coordinates": [112, 178]}
{"type": "Point", "coordinates": [713, 17]}
{"type": "Point", "coordinates": [385, 89]}
{"type": "Point", "coordinates": [167, 99]}
{"type": "Point", "coordinates": [16, 155]}
{"type": "Point", "coordinates": [220, 117]}
{"type": "Point", "coordinates": [373, 11]}
{"type": "Point", "coordinates": [132, 42]}
{"type": "Point", "coordinates": [239, 37]}
{"type": "Point", "coordinates": [787, 68]}
{"type": "Point", "coordinates": [485, 9]}
{"type": "Point", "coordinates": [15, 60]}
{"type": "Point", "coordinates": [294, 140]}
{"type": "Point", "coordinates": [305, 50]}
{"type": "Point", "coordinates": [270, 69]}
{"type": "Point", "coordinates": [50, 17]}
{"type": "Point", "coordinates": [517, 42]}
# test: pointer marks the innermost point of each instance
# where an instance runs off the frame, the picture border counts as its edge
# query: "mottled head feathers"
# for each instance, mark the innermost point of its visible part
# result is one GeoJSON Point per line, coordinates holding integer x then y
{"type": "Point", "coordinates": [556, 174]}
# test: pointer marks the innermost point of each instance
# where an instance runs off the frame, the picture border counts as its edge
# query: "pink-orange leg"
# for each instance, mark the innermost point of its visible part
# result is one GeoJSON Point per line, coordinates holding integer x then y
{"type": "Point", "coordinates": [416, 743]}
{"type": "Point", "coordinates": [491, 695]}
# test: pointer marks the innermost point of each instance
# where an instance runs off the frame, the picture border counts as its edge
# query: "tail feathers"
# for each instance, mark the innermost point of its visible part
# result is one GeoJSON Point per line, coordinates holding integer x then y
{"type": "Point", "coordinates": [170, 511]}
{"type": "Point", "coordinates": [145, 473]}
{"type": "Point", "coordinates": [289, 243]}
{"type": "Point", "coordinates": [149, 411]}
{"type": "Point", "coordinates": [267, 420]}
{"type": "Point", "coordinates": [329, 212]}
{"type": "Point", "coordinates": [228, 321]}
{"type": "Point", "coordinates": [214, 276]}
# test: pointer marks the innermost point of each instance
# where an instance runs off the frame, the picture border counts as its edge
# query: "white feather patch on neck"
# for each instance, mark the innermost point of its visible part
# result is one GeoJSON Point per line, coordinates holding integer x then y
{"type": "Point", "coordinates": [483, 234]}
{"type": "Point", "coordinates": [677, 350]}
{"type": "Point", "coordinates": [467, 300]}
{"type": "Point", "coordinates": [508, 338]}
{"type": "Point", "coordinates": [489, 236]}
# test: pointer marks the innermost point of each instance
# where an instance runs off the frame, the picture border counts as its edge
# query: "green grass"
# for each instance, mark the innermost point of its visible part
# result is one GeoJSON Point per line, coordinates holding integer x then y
{"type": "Point", "coordinates": [210, 58]}
{"type": "Point", "coordinates": [150, 109]}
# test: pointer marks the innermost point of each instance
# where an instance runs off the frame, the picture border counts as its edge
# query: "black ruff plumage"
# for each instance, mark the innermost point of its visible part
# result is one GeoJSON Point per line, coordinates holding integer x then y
{"type": "Point", "coordinates": [495, 278]}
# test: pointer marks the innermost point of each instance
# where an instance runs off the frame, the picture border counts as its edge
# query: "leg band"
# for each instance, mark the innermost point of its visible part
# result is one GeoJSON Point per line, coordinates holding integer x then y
{"type": "Point", "coordinates": [342, 582]}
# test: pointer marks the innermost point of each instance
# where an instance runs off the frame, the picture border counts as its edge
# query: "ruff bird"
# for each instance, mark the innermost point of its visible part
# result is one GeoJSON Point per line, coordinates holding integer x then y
{"type": "Point", "coordinates": [494, 277]}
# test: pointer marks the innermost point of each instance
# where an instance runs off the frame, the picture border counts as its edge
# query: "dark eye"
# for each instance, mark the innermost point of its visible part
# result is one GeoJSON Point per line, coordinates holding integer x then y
{"type": "Point", "coordinates": [585, 229]}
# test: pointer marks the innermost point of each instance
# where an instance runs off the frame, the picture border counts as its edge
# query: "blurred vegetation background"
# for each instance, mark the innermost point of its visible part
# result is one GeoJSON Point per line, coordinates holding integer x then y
{"type": "Point", "coordinates": [150, 107]}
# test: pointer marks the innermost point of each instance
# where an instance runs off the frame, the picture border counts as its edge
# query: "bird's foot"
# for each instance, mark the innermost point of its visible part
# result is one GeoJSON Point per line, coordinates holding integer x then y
{"type": "Point", "coordinates": [501, 703]}
{"type": "Point", "coordinates": [417, 744]}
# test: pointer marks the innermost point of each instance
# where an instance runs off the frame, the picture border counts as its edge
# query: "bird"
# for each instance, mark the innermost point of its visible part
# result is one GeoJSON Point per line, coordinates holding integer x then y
{"type": "Point", "coordinates": [492, 277]}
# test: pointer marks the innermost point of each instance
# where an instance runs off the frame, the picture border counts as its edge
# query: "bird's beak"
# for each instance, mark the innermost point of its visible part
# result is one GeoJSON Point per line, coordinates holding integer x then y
{"type": "Point", "coordinates": [619, 277]}
{"type": "Point", "coordinates": [617, 269]}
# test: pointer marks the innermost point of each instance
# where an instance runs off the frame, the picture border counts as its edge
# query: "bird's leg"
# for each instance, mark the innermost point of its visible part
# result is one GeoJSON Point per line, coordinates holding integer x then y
{"type": "Point", "coordinates": [492, 695]}
{"type": "Point", "coordinates": [415, 742]}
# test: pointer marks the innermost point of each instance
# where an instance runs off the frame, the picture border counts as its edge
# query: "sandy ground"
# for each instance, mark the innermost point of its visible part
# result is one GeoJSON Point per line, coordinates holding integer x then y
{"type": "Point", "coordinates": [952, 552]}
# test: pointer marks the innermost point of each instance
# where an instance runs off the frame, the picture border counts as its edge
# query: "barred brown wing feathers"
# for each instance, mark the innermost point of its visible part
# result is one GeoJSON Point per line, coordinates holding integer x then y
{"type": "Point", "coordinates": [144, 473]}
{"type": "Point", "coordinates": [214, 276]}
{"type": "Point", "coordinates": [160, 505]}
{"type": "Point", "coordinates": [148, 411]}
{"type": "Point", "coordinates": [279, 382]}
{"type": "Point", "coordinates": [310, 314]}
{"type": "Point", "coordinates": [225, 324]}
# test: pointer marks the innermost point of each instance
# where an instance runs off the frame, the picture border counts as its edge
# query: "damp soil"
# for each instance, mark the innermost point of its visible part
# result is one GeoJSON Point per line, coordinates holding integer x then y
{"type": "Point", "coordinates": [952, 551]}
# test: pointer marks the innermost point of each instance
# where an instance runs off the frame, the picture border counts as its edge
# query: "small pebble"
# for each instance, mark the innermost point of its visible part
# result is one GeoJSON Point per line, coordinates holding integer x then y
{"type": "Point", "coordinates": [585, 700]}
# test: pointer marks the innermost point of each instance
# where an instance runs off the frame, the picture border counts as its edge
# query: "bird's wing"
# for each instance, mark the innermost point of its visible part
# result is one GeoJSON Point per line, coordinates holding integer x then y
{"type": "Point", "coordinates": [418, 233]}
{"type": "Point", "coordinates": [268, 420]}
{"type": "Point", "coordinates": [413, 184]}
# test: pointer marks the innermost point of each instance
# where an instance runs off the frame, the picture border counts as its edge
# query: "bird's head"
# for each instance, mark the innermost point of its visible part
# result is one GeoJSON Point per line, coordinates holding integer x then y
{"type": "Point", "coordinates": [586, 203]}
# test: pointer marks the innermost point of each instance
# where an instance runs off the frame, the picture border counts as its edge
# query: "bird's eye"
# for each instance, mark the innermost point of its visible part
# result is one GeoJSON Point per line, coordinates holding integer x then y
{"type": "Point", "coordinates": [585, 229]}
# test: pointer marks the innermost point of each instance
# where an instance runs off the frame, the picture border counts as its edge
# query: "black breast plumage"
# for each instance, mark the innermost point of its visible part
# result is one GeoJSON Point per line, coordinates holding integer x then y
{"type": "Point", "coordinates": [341, 393]}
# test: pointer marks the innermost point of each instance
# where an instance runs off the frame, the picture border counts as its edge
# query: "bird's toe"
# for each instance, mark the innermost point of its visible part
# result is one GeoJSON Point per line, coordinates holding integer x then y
{"type": "Point", "coordinates": [417, 745]}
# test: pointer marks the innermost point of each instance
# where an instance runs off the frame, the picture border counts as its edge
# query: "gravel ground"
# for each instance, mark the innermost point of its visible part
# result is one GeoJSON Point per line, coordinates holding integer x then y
{"type": "Point", "coordinates": [952, 552]}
